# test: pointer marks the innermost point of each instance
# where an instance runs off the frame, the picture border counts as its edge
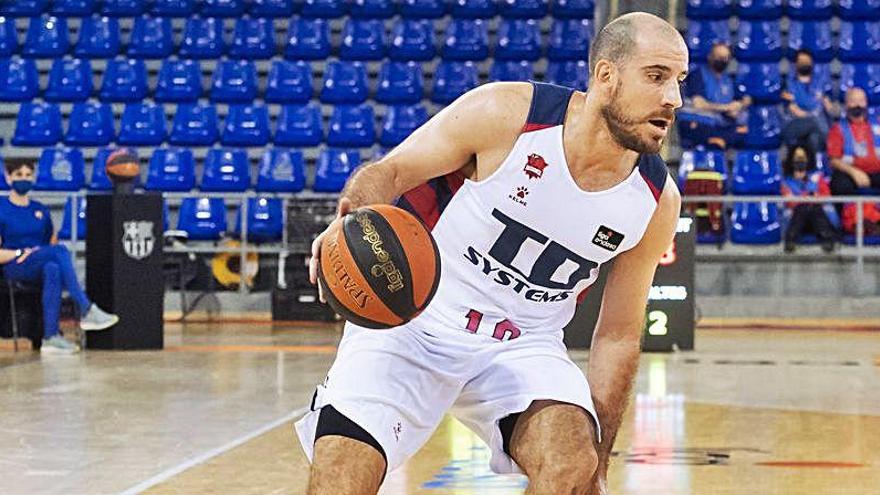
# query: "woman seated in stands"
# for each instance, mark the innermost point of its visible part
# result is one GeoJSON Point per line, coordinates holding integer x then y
{"type": "Point", "coordinates": [29, 253]}
{"type": "Point", "coordinates": [802, 179]}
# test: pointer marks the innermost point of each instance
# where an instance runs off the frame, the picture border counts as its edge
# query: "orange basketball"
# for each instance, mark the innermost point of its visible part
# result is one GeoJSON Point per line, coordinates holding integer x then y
{"type": "Point", "coordinates": [380, 268]}
{"type": "Point", "coordinates": [123, 166]}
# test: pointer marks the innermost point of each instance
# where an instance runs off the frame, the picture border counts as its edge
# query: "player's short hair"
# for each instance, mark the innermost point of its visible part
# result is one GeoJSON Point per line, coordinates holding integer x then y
{"type": "Point", "coordinates": [615, 42]}
{"type": "Point", "coordinates": [12, 165]}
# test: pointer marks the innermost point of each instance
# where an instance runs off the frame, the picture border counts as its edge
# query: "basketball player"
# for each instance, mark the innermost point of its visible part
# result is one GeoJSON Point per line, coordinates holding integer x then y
{"type": "Point", "coordinates": [548, 184]}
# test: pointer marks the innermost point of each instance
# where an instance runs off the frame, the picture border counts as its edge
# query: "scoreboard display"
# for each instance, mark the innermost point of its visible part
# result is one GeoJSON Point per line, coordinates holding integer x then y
{"type": "Point", "coordinates": [669, 316]}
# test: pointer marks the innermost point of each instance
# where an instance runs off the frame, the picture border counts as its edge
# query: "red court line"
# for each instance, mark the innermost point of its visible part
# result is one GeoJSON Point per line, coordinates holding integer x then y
{"type": "Point", "coordinates": [810, 464]}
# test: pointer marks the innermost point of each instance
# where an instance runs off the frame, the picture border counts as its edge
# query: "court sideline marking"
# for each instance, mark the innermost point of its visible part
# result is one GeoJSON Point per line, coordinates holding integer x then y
{"type": "Point", "coordinates": [200, 459]}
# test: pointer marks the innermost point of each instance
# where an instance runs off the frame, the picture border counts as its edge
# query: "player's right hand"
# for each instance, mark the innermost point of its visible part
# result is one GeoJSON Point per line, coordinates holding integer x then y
{"type": "Point", "coordinates": [343, 209]}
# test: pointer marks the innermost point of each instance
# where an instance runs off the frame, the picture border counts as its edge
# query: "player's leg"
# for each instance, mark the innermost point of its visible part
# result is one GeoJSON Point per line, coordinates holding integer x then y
{"type": "Point", "coordinates": [347, 459]}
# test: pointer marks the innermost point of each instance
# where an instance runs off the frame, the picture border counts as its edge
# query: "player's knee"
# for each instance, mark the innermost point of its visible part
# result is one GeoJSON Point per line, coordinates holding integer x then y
{"type": "Point", "coordinates": [570, 473]}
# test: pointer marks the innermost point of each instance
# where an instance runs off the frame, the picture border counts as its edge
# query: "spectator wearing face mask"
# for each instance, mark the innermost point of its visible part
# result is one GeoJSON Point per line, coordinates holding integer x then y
{"type": "Point", "coordinates": [807, 106]}
{"type": "Point", "coordinates": [802, 179]}
{"type": "Point", "coordinates": [854, 148]}
{"type": "Point", "coordinates": [712, 112]}
{"type": "Point", "coordinates": [28, 253]}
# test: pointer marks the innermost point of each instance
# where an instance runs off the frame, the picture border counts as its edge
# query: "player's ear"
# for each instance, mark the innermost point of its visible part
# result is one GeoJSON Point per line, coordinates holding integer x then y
{"type": "Point", "coordinates": [605, 73]}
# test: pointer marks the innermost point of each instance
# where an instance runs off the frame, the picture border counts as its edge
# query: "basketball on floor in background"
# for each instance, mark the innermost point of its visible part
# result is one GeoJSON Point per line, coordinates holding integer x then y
{"type": "Point", "coordinates": [380, 267]}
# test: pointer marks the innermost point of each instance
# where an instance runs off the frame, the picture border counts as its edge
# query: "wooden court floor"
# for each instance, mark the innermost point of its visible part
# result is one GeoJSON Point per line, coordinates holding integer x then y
{"type": "Point", "coordinates": [750, 411]}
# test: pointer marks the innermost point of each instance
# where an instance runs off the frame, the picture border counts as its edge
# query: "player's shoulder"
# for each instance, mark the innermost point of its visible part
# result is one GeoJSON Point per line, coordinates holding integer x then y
{"type": "Point", "coordinates": [505, 102]}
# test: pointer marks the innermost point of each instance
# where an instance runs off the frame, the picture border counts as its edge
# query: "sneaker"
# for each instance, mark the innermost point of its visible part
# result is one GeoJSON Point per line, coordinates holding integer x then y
{"type": "Point", "coordinates": [58, 345]}
{"type": "Point", "coordinates": [97, 319]}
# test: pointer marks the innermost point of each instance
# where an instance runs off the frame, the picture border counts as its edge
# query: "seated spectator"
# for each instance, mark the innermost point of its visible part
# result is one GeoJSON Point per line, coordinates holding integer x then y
{"type": "Point", "coordinates": [28, 253]}
{"type": "Point", "coordinates": [854, 148]}
{"type": "Point", "coordinates": [712, 112]}
{"type": "Point", "coordinates": [807, 106]}
{"type": "Point", "coordinates": [802, 179]}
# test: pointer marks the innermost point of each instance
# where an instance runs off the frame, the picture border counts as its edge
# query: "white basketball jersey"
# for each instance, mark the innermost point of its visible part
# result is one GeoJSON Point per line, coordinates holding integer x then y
{"type": "Point", "coordinates": [520, 248]}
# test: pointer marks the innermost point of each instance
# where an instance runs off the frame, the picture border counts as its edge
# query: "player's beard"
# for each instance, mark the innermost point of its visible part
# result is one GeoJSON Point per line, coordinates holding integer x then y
{"type": "Point", "coordinates": [624, 130]}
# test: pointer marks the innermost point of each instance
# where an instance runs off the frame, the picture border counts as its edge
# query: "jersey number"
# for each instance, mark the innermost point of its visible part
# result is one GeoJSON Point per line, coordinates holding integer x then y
{"type": "Point", "coordinates": [504, 329]}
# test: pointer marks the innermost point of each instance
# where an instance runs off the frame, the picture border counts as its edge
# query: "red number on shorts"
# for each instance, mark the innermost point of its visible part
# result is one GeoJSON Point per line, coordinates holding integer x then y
{"type": "Point", "coordinates": [504, 328]}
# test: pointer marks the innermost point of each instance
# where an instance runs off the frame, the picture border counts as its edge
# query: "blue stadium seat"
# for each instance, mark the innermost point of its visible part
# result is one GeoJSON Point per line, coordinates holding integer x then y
{"type": "Point", "coordinates": [65, 233]}
{"type": "Point", "coordinates": [99, 180]}
{"type": "Point", "coordinates": [703, 33]}
{"type": "Point", "coordinates": [299, 125]}
{"type": "Point", "coordinates": [142, 124]}
{"type": "Point", "coordinates": [400, 121]}
{"type": "Point", "coordinates": [759, 40]}
{"type": "Point", "coordinates": [758, 9]}
{"type": "Point", "coordinates": [194, 125]}
{"type": "Point", "coordinates": [19, 79]}
{"type": "Point", "coordinates": [69, 80]}
{"type": "Point", "coordinates": [123, 8]}
{"type": "Point", "coordinates": [203, 219]}
{"type": "Point", "coordinates": [812, 35]}
{"type": "Point", "coordinates": [352, 126]}
{"type": "Point", "coordinates": [253, 39]}
{"type": "Point", "coordinates": [23, 8]}
{"type": "Point", "coordinates": [859, 41]}
{"type": "Point", "coordinates": [234, 81]}
{"type": "Point", "coordinates": [90, 124]}
{"type": "Point", "coordinates": [756, 172]}
{"type": "Point", "coordinates": [822, 77]}
{"type": "Point", "coordinates": [38, 124]}
{"type": "Point", "coordinates": [289, 82]}
{"type": "Point", "coordinates": [173, 8]}
{"type": "Point", "coordinates": [523, 9]}
{"type": "Point", "coordinates": [372, 9]}
{"type": "Point", "coordinates": [363, 39]}
{"type": "Point", "coordinates": [73, 8]}
{"type": "Point", "coordinates": [203, 38]}
{"type": "Point", "coordinates": [466, 39]}
{"type": "Point", "coordinates": [474, 9]}
{"type": "Point", "coordinates": [760, 80]}
{"type": "Point", "coordinates": [399, 82]}
{"type": "Point", "coordinates": [412, 39]}
{"type": "Point", "coordinates": [755, 223]}
{"type": "Point", "coordinates": [765, 126]}
{"type": "Point", "coordinates": [151, 38]}
{"type": "Point", "coordinates": [809, 9]}
{"type": "Point", "coordinates": [709, 9]}
{"type": "Point", "coordinates": [863, 75]}
{"type": "Point", "coordinates": [222, 8]}
{"type": "Point", "coordinates": [573, 9]}
{"type": "Point", "coordinates": [518, 39]}
{"type": "Point", "coordinates": [333, 169]}
{"type": "Point", "coordinates": [179, 81]}
{"type": "Point", "coordinates": [46, 37]}
{"type": "Point", "coordinates": [246, 125]}
{"type": "Point", "coordinates": [570, 39]}
{"type": "Point", "coordinates": [60, 169]}
{"type": "Point", "coordinates": [511, 70]}
{"type": "Point", "coordinates": [171, 169]}
{"type": "Point", "coordinates": [344, 82]}
{"type": "Point", "coordinates": [453, 79]}
{"type": "Point", "coordinates": [324, 9]}
{"type": "Point", "coordinates": [98, 38]}
{"type": "Point", "coordinates": [226, 170]}
{"type": "Point", "coordinates": [125, 80]}
{"type": "Point", "coordinates": [307, 39]}
{"type": "Point", "coordinates": [271, 8]}
{"type": "Point", "coordinates": [265, 220]}
{"type": "Point", "coordinates": [281, 170]}
{"type": "Point", "coordinates": [701, 159]}
{"type": "Point", "coordinates": [571, 73]}
{"type": "Point", "coordinates": [8, 37]}
{"type": "Point", "coordinates": [859, 9]}
{"type": "Point", "coordinates": [422, 9]}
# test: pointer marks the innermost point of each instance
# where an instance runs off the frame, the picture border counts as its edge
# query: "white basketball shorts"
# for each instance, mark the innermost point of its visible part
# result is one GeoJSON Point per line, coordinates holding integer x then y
{"type": "Point", "coordinates": [397, 384]}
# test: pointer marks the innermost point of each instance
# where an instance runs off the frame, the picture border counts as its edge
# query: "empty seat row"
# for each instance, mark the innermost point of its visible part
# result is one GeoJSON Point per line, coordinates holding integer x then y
{"type": "Point", "coordinates": [763, 81]}
{"type": "Point", "coordinates": [773, 9]}
{"type": "Point", "coordinates": [755, 172]}
{"type": "Point", "coordinates": [308, 8]}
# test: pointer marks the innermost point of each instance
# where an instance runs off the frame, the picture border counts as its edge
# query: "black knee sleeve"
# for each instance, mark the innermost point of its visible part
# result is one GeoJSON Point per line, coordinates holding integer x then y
{"type": "Point", "coordinates": [333, 422]}
{"type": "Point", "coordinates": [506, 426]}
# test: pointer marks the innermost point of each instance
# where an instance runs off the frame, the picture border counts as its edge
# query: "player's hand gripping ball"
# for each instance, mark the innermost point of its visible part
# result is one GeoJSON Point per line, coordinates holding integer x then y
{"type": "Point", "coordinates": [379, 267]}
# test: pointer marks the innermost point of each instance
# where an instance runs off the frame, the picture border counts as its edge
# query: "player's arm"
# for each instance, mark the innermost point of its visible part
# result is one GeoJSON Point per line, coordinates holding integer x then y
{"type": "Point", "coordinates": [614, 354]}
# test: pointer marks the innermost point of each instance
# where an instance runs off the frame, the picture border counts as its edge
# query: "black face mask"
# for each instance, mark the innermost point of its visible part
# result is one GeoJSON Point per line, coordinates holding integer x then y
{"type": "Point", "coordinates": [799, 165]}
{"type": "Point", "coordinates": [804, 70]}
{"type": "Point", "coordinates": [719, 64]}
{"type": "Point", "coordinates": [856, 112]}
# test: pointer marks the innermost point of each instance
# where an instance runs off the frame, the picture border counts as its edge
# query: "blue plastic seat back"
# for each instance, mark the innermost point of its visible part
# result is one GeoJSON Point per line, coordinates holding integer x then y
{"type": "Point", "coordinates": [859, 9]}
{"type": "Point", "coordinates": [281, 170]}
{"type": "Point", "coordinates": [523, 9]}
{"type": "Point", "coordinates": [253, 38]}
{"type": "Point", "coordinates": [758, 9]}
{"type": "Point", "coordinates": [226, 169]}
{"type": "Point", "coordinates": [812, 35]}
{"type": "Point", "coordinates": [571, 73]}
{"type": "Point", "coordinates": [46, 37]}
{"type": "Point", "coordinates": [98, 38]}
{"type": "Point", "coordinates": [861, 75]}
{"type": "Point", "coordinates": [19, 79]}
{"type": "Point", "coordinates": [151, 38]}
{"type": "Point", "coordinates": [125, 80]}
{"type": "Point", "coordinates": [352, 126]}
{"type": "Point", "coordinates": [90, 124]}
{"type": "Point", "coordinates": [703, 33]}
{"type": "Point", "coordinates": [38, 124]}
{"type": "Point", "coordinates": [400, 82]}
{"type": "Point", "coordinates": [69, 80]}
{"type": "Point", "coordinates": [412, 39]}
{"type": "Point", "coordinates": [859, 41]}
{"type": "Point", "coordinates": [570, 39]}
{"type": "Point", "coordinates": [344, 82]}
{"type": "Point", "coordinates": [23, 8]}
{"type": "Point", "coordinates": [65, 233]}
{"type": "Point", "coordinates": [142, 124]}
{"type": "Point", "coordinates": [60, 169]}
{"type": "Point", "coordinates": [203, 38]}
{"type": "Point", "coordinates": [265, 220]}
{"type": "Point", "coordinates": [8, 37]}
{"type": "Point", "coordinates": [234, 81]}
{"type": "Point", "coordinates": [760, 80]}
{"type": "Point", "coordinates": [453, 79]}
{"type": "Point", "coordinates": [194, 125]}
{"type": "Point", "coordinates": [222, 8]}
{"type": "Point", "coordinates": [809, 9]}
{"type": "Point", "coordinates": [518, 39]}
{"type": "Point", "coordinates": [765, 126]}
{"type": "Point", "coordinates": [307, 39]}
{"type": "Point", "coordinates": [466, 39]}
{"type": "Point", "coordinates": [759, 40]}
{"type": "Point", "coordinates": [755, 223]}
{"type": "Point", "coordinates": [573, 9]}
{"type": "Point", "coordinates": [246, 125]}
{"type": "Point", "coordinates": [123, 8]}
{"type": "Point", "coordinates": [422, 9]}
{"type": "Point", "coordinates": [289, 82]}
{"type": "Point", "coordinates": [756, 172]}
{"type": "Point", "coordinates": [372, 9]}
{"type": "Point", "coordinates": [299, 125]}
{"type": "Point", "coordinates": [400, 121]}
{"type": "Point", "coordinates": [334, 167]}
{"type": "Point", "coordinates": [700, 159]}
{"type": "Point", "coordinates": [511, 70]}
{"type": "Point", "coordinates": [324, 9]}
{"type": "Point", "coordinates": [171, 169]}
{"type": "Point", "coordinates": [204, 219]}
{"type": "Point", "coordinates": [272, 8]}
{"type": "Point", "coordinates": [363, 39]}
{"type": "Point", "coordinates": [709, 9]}
{"type": "Point", "coordinates": [173, 8]}
{"type": "Point", "coordinates": [179, 81]}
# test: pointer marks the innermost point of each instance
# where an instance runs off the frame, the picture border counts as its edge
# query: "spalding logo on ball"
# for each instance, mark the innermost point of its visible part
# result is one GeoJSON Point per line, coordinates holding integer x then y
{"type": "Point", "coordinates": [381, 268]}
{"type": "Point", "coordinates": [122, 166]}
